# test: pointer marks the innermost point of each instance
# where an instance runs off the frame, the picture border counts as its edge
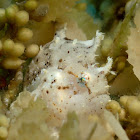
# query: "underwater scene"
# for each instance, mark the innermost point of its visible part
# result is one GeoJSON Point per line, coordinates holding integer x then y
{"type": "Point", "coordinates": [69, 70]}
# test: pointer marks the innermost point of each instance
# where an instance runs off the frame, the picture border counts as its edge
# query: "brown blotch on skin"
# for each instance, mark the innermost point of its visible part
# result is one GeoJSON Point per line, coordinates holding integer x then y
{"type": "Point", "coordinates": [60, 68]}
{"type": "Point", "coordinates": [79, 61]}
{"type": "Point", "coordinates": [89, 91]}
{"type": "Point", "coordinates": [86, 65]}
{"type": "Point", "coordinates": [60, 60]}
{"type": "Point", "coordinates": [67, 38]}
{"type": "Point", "coordinates": [65, 87]}
{"type": "Point", "coordinates": [75, 92]}
{"type": "Point", "coordinates": [70, 72]}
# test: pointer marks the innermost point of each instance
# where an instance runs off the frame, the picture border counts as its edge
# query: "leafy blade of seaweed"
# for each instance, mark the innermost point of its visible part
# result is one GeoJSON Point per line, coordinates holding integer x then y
{"type": "Point", "coordinates": [119, 44]}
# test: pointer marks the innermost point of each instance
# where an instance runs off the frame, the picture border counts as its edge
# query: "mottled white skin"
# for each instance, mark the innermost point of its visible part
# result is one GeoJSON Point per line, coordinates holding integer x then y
{"type": "Point", "coordinates": [67, 77]}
